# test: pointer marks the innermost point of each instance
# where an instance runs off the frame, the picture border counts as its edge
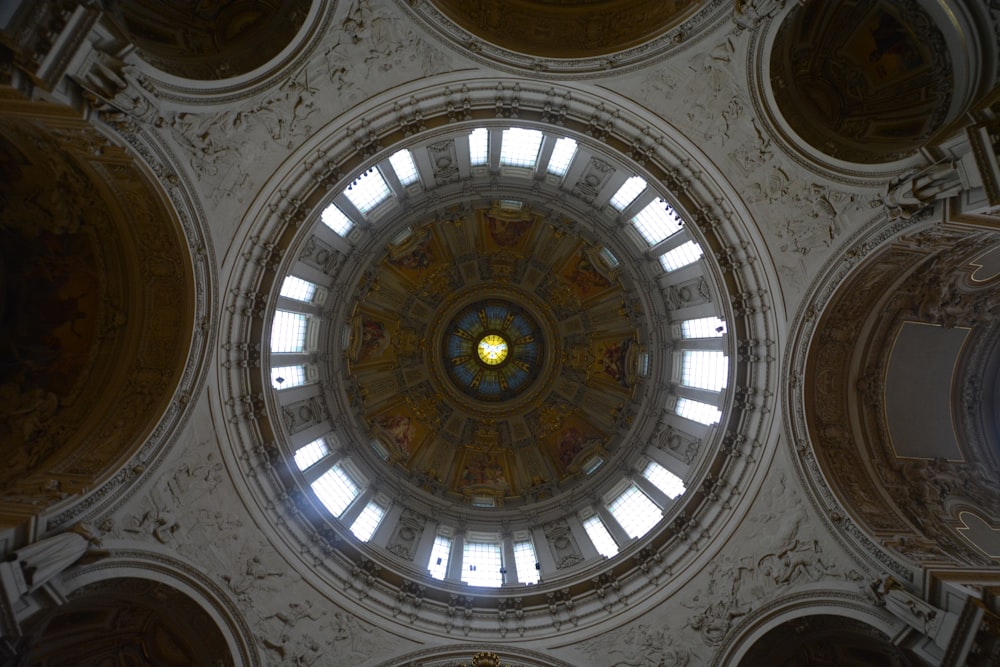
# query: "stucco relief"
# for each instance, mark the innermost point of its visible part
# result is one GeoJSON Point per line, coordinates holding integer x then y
{"type": "Point", "coordinates": [640, 645]}
{"type": "Point", "coordinates": [370, 44]}
{"type": "Point", "coordinates": [192, 509]}
{"type": "Point", "coordinates": [804, 218]}
{"type": "Point", "coordinates": [788, 551]}
{"type": "Point", "coordinates": [217, 145]}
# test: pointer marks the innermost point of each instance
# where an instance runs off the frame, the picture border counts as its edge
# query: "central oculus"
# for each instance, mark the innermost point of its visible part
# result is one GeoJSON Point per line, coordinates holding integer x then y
{"type": "Point", "coordinates": [492, 349]}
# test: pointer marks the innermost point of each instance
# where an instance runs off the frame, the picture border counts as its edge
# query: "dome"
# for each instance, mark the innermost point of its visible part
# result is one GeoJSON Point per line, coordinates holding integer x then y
{"type": "Point", "coordinates": [502, 363]}
{"type": "Point", "coordinates": [395, 342]}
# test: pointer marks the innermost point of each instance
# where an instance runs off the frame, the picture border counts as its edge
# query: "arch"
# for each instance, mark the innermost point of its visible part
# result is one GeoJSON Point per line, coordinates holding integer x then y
{"type": "Point", "coordinates": [446, 656]}
{"type": "Point", "coordinates": [893, 490]}
{"type": "Point", "coordinates": [479, 31]}
{"type": "Point", "coordinates": [209, 41]}
{"type": "Point", "coordinates": [125, 574]}
{"type": "Point", "coordinates": [759, 630]}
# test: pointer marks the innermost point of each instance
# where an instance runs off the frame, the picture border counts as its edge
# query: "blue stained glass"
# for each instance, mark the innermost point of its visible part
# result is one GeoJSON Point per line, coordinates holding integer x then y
{"type": "Point", "coordinates": [493, 381]}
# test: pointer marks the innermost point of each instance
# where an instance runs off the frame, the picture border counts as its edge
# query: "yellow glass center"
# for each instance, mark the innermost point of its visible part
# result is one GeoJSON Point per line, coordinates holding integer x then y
{"type": "Point", "coordinates": [492, 349]}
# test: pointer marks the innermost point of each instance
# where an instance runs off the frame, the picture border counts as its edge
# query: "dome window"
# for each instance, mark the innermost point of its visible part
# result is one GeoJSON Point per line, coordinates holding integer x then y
{"type": "Point", "coordinates": [308, 455]}
{"type": "Point", "coordinates": [406, 170]}
{"type": "Point", "coordinates": [657, 221]}
{"type": "Point", "coordinates": [368, 190]}
{"type": "Point", "coordinates": [440, 553]}
{"type": "Point", "coordinates": [298, 289]}
{"type": "Point", "coordinates": [684, 254]}
{"type": "Point", "coordinates": [599, 535]}
{"type": "Point", "coordinates": [481, 563]}
{"type": "Point", "coordinates": [703, 327]}
{"type": "Point", "coordinates": [636, 513]}
{"type": "Point", "coordinates": [664, 480]}
{"type": "Point", "coordinates": [336, 489]}
{"type": "Point", "coordinates": [479, 147]}
{"type": "Point", "coordinates": [628, 192]}
{"type": "Point", "coordinates": [704, 369]}
{"type": "Point", "coordinates": [368, 521]}
{"type": "Point", "coordinates": [526, 560]}
{"type": "Point", "coordinates": [520, 147]}
{"type": "Point", "coordinates": [703, 413]}
{"type": "Point", "coordinates": [336, 220]}
{"type": "Point", "coordinates": [562, 156]}
{"type": "Point", "coordinates": [286, 377]}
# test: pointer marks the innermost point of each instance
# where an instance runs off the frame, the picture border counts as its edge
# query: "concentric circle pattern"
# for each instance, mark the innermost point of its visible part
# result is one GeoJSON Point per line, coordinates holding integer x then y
{"type": "Point", "coordinates": [470, 369]}
{"type": "Point", "coordinates": [492, 350]}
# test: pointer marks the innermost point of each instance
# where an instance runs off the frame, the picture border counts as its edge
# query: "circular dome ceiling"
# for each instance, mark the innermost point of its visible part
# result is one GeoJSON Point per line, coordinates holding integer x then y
{"type": "Point", "coordinates": [490, 353]}
{"type": "Point", "coordinates": [495, 353]}
{"type": "Point", "coordinates": [209, 40]}
{"type": "Point", "coordinates": [492, 350]}
{"type": "Point", "coordinates": [848, 104]}
{"type": "Point", "coordinates": [627, 434]}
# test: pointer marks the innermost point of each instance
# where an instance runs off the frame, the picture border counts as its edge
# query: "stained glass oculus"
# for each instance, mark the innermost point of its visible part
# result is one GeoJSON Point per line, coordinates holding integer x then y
{"type": "Point", "coordinates": [492, 350]}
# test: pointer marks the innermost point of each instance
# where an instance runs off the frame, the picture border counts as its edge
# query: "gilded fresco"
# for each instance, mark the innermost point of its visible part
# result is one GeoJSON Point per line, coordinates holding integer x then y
{"type": "Point", "coordinates": [400, 430]}
{"type": "Point", "coordinates": [505, 230]}
{"type": "Point", "coordinates": [616, 361]}
{"type": "Point", "coordinates": [483, 473]}
{"type": "Point", "coordinates": [416, 258]}
{"type": "Point", "coordinates": [370, 339]}
{"type": "Point", "coordinates": [573, 441]}
{"type": "Point", "coordinates": [587, 275]}
{"type": "Point", "coordinates": [462, 364]}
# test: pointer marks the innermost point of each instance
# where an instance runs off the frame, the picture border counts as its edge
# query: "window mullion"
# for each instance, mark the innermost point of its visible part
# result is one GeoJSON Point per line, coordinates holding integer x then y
{"type": "Point", "coordinates": [357, 506]}
{"type": "Point", "coordinates": [509, 563]}
{"type": "Point", "coordinates": [587, 548]}
{"type": "Point", "coordinates": [713, 398]}
{"type": "Point", "coordinates": [322, 466]}
{"type": "Point", "coordinates": [615, 528]}
{"type": "Point", "coordinates": [494, 148]}
{"type": "Point", "coordinates": [382, 534]}
{"type": "Point", "coordinates": [669, 243]}
{"type": "Point", "coordinates": [543, 550]}
{"type": "Point", "coordinates": [654, 492]}
{"type": "Point", "coordinates": [544, 155]}
{"type": "Point", "coordinates": [396, 188]}
{"type": "Point", "coordinates": [425, 544]}
{"type": "Point", "coordinates": [456, 558]}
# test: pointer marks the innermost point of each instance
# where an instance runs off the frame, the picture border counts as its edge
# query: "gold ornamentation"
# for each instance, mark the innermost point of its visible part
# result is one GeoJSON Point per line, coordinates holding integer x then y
{"type": "Point", "coordinates": [551, 416]}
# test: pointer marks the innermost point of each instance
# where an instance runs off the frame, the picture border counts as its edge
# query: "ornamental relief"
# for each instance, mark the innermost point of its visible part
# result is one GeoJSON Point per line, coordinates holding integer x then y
{"type": "Point", "coordinates": [906, 502]}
